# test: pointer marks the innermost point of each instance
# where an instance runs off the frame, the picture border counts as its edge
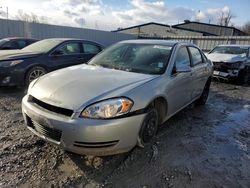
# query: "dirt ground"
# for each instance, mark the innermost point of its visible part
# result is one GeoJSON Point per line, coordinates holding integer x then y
{"type": "Point", "coordinates": [207, 146]}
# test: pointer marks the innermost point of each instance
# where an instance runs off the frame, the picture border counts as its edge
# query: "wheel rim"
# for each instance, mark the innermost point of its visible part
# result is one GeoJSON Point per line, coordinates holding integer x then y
{"type": "Point", "coordinates": [35, 74]}
{"type": "Point", "coordinates": [150, 127]}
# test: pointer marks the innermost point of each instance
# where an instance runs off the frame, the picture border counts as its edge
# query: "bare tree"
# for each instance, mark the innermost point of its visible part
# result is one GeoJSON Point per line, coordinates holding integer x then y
{"type": "Point", "coordinates": [246, 28]}
{"type": "Point", "coordinates": [225, 18]}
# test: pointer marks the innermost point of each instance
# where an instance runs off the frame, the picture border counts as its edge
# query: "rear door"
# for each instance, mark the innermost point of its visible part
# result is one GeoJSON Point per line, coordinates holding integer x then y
{"type": "Point", "coordinates": [179, 90]}
{"type": "Point", "coordinates": [67, 54]}
{"type": "Point", "coordinates": [90, 50]}
{"type": "Point", "coordinates": [199, 71]}
{"type": "Point", "coordinates": [21, 43]}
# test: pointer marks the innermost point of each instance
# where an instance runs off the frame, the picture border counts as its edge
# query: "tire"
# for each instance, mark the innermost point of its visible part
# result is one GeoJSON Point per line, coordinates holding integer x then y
{"type": "Point", "coordinates": [243, 77]}
{"type": "Point", "coordinates": [149, 128]}
{"type": "Point", "coordinates": [203, 98]}
{"type": "Point", "coordinates": [33, 74]}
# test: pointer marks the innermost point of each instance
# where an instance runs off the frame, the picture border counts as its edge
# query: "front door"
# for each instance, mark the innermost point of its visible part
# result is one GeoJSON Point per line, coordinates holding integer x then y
{"type": "Point", "coordinates": [180, 85]}
{"type": "Point", "coordinates": [66, 55]}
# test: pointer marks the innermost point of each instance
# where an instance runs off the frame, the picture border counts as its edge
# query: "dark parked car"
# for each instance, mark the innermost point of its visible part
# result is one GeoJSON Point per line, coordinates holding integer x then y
{"type": "Point", "coordinates": [15, 43]}
{"type": "Point", "coordinates": [20, 67]}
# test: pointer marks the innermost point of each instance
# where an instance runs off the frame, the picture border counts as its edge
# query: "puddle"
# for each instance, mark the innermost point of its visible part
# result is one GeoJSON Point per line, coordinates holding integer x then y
{"type": "Point", "coordinates": [234, 120]}
{"type": "Point", "coordinates": [240, 116]}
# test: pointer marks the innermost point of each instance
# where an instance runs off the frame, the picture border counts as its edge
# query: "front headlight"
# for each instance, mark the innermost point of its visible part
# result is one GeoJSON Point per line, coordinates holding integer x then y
{"type": "Point", "coordinates": [108, 109]}
{"type": "Point", "coordinates": [10, 63]}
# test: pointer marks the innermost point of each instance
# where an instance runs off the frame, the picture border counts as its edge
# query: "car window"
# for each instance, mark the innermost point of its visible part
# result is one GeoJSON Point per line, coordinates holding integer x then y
{"type": "Point", "coordinates": [10, 45]}
{"type": "Point", "coordinates": [71, 48]}
{"type": "Point", "coordinates": [196, 55]}
{"type": "Point", "coordinates": [21, 44]}
{"type": "Point", "coordinates": [130, 57]}
{"type": "Point", "coordinates": [182, 58]}
{"type": "Point", "coordinates": [91, 49]}
{"type": "Point", "coordinates": [30, 42]}
{"type": "Point", "coordinates": [3, 41]}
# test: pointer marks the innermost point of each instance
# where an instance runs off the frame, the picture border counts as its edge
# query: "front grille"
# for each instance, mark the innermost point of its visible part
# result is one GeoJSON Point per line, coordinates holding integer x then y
{"type": "Point", "coordinates": [96, 144]}
{"type": "Point", "coordinates": [220, 66]}
{"type": "Point", "coordinates": [51, 133]}
{"type": "Point", "coordinates": [51, 108]}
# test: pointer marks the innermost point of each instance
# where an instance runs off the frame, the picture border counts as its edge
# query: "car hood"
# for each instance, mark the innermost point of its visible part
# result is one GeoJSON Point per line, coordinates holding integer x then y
{"type": "Point", "coordinates": [16, 54]}
{"type": "Point", "coordinates": [229, 58]}
{"type": "Point", "coordinates": [78, 86]}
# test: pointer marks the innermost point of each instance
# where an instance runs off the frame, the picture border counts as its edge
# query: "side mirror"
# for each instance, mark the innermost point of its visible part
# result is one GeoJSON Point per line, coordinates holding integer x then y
{"type": "Point", "coordinates": [183, 69]}
{"type": "Point", "coordinates": [57, 53]}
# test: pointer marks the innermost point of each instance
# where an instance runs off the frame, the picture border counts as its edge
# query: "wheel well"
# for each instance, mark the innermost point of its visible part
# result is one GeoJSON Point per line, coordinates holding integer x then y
{"type": "Point", "coordinates": [209, 79]}
{"type": "Point", "coordinates": [161, 105]}
{"type": "Point", "coordinates": [25, 74]}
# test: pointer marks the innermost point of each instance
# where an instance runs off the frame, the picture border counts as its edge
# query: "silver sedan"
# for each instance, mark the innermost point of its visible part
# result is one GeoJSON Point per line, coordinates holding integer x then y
{"type": "Point", "coordinates": [120, 98]}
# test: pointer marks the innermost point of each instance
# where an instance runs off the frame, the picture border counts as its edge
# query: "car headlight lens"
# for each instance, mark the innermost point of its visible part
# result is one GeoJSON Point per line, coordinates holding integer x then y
{"type": "Point", "coordinates": [108, 109]}
{"type": "Point", "coordinates": [10, 63]}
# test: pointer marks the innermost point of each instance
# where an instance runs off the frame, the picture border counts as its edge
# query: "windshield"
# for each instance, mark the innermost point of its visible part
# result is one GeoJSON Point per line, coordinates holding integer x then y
{"type": "Point", "coordinates": [42, 46]}
{"type": "Point", "coordinates": [3, 41]}
{"type": "Point", "coordinates": [141, 58]}
{"type": "Point", "coordinates": [230, 50]}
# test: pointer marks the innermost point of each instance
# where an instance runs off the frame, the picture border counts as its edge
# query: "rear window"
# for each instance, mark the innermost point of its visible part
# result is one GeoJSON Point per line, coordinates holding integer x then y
{"type": "Point", "coordinates": [196, 56]}
{"type": "Point", "coordinates": [91, 49]}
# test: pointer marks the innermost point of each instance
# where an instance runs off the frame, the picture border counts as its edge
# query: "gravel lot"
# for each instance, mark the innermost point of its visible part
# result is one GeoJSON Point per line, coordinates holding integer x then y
{"type": "Point", "coordinates": [206, 146]}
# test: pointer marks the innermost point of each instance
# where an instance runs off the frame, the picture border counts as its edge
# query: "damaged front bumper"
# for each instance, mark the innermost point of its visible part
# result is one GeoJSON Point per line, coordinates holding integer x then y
{"type": "Point", "coordinates": [227, 75]}
{"type": "Point", "coordinates": [226, 70]}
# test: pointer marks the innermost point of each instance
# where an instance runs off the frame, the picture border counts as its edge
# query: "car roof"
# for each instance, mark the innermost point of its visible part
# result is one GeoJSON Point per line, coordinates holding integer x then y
{"type": "Point", "coordinates": [14, 38]}
{"type": "Point", "coordinates": [159, 42]}
{"type": "Point", "coordinates": [72, 39]}
{"type": "Point", "coordinates": [235, 45]}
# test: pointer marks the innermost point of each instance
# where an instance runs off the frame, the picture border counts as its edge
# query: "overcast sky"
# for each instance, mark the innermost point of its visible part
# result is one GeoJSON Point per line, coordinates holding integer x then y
{"type": "Point", "coordinates": [111, 14]}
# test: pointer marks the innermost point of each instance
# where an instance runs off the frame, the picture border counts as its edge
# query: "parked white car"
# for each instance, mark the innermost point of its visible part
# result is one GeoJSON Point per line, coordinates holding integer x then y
{"type": "Point", "coordinates": [231, 61]}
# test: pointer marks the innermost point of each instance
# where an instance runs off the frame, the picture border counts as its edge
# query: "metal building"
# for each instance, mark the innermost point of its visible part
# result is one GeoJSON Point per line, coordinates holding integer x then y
{"type": "Point", "coordinates": [153, 29]}
{"type": "Point", "coordinates": [210, 29]}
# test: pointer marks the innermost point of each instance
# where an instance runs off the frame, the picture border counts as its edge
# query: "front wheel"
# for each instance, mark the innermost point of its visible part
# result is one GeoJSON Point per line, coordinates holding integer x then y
{"type": "Point", "coordinates": [149, 127]}
{"type": "Point", "coordinates": [203, 98]}
{"type": "Point", "coordinates": [33, 74]}
{"type": "Point", "coordinates": [244, 77]}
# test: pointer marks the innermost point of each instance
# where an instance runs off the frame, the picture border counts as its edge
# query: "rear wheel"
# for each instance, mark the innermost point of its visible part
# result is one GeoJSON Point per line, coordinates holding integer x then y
{"type": "Point", "coordinates": [149, 127]}
{"type": "Point", "coordinates": [34, 73]}
{"type": "Point", "coordinates": [203, 98]}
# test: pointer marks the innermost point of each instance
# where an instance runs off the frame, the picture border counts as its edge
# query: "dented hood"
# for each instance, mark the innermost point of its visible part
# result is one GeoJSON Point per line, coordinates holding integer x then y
{"type": "Point", "coordinates": [229, 58]}
{"type": "Point", "coordinates": [81, 85]}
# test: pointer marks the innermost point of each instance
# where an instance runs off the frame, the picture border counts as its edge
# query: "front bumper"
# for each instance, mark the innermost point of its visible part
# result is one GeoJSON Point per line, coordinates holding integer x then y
{"type": "Point", "coordinates": [229, 74]}
{"type": "Point", "coordinates": [226, 70]}
{"type": "Point", "coordinates": [83, 136]}
{"type": "Point", "coordinates": [11, 77]}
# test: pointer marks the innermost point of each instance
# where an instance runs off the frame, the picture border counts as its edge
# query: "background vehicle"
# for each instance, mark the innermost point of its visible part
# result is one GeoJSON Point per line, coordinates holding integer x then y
{"type": "Point", "coordinates": [231, 61]}
{"type": "Point", "coordinates": [15, 43]}
{"type": "Point", "coordinates": [22, 66]}
{"type": "Point", "coordinates": [120, 98]}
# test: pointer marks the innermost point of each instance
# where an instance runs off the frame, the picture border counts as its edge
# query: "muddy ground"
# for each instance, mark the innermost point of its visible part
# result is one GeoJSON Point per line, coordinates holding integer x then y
{"type": "Point", "coordinates": [206, 146]}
